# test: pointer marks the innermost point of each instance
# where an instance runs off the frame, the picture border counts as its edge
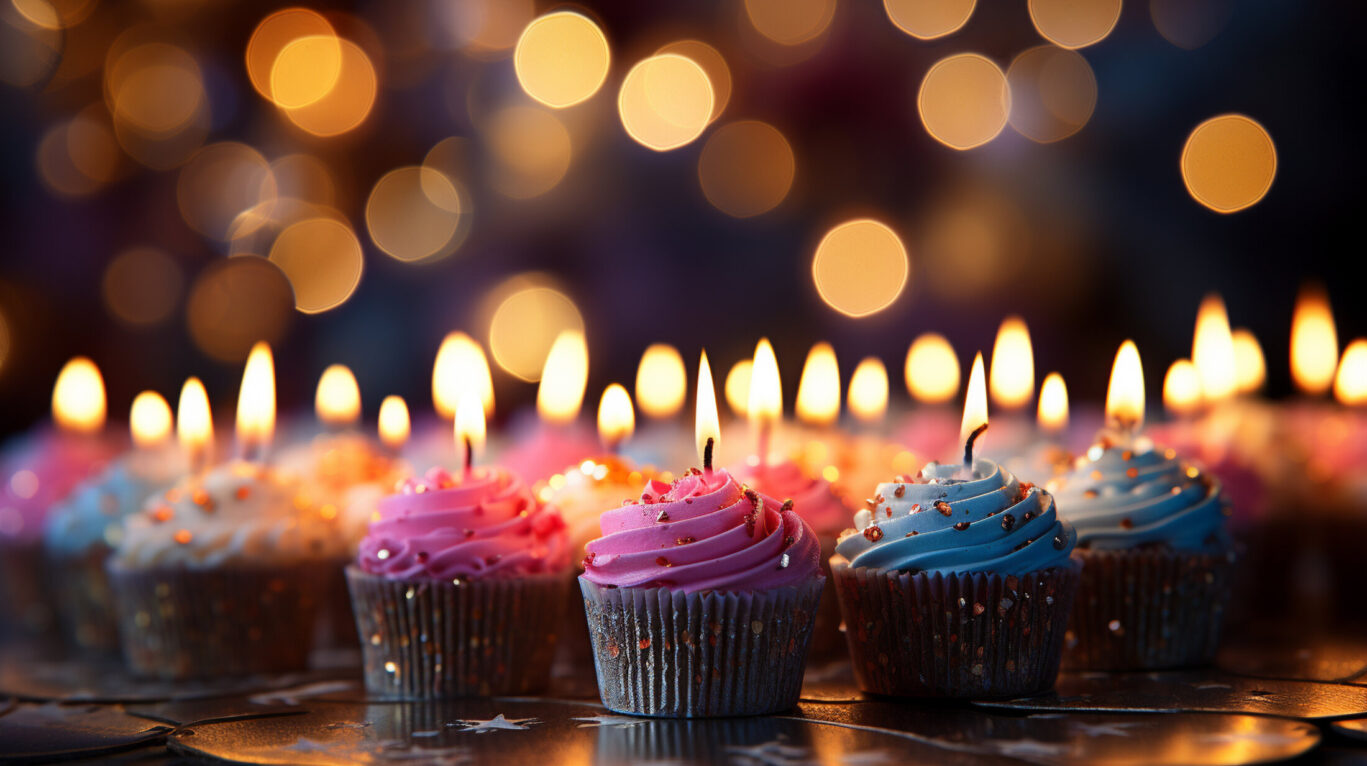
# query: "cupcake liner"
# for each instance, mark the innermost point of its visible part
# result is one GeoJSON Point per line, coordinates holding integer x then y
{"type": "Point", "coordinates": [970, 636]}
{"type": "Point", "coordinates": [666, 653]}
{"type": "Point", "coordinates": [1148, 609]}
{"type": "Point", "coordinates": [436, 639]}
{"type": "Point", "coordinates": [24, 593]}
{"type": "Point", "coordinates": [698, 740]}
{"type": "Point", "coordinates": [573, 649]}
{"type": "Point", "coordinates": [84, 601]}
{"type": "Point", "coordinates": [180, 623]}
{"type": "Point", "coordinates": [336, 621]}
{"type": "Point", "coordinates": [828, 641]}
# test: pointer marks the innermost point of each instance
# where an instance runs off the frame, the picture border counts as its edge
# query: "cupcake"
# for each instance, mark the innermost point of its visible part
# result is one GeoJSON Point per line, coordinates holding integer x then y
{"type": "Point", "coordinates": [82, 531]}
{"type": "Point", "coordinates": [218, 576]}
{"type": "Point", "coordinates": [700, 599]}
{"type": "Point", "coordinates": [956, 585]}
{"type": "Point", "coordinates": [459, 588]}
{"type": "Point", "coordinates": [1151, 532]}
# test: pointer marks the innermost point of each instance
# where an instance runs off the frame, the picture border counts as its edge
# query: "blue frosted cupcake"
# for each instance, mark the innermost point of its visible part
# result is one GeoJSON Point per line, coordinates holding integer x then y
{"type": "Point", "coordinates": [956, 585]}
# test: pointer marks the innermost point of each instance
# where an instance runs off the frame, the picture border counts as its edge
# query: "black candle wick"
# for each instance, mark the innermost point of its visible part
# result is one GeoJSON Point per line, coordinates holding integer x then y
{"type": "Point", "coordinates": [469, 453]}
{"type": "Point", "coordinates": [968, 445]}
{"type": "Point", "coordinates": [707, 455]}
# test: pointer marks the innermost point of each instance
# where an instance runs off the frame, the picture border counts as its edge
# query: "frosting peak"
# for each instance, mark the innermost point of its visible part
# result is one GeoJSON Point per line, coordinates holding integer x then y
{"type": "Point", "coordinates": [703, 532]}
{"type": "Point", "coordinates": [942, 521]}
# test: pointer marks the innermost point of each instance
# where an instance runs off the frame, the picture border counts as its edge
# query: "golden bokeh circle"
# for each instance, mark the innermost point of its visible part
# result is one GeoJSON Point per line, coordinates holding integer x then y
{"type": "Point", "coordinates": [964, 101]}
{"type": "Point", "coordinates": [1228, 163]}
{"type": "Point", "coordinates": [156, 88]}
{"type": "Point", "coordinates": [561, 59]}
{"type": "Point", "coordinates": [530, 150]}
{"type": "Point", "coordinates": [860, 267]}
{"type": "Point", "coordinates": [929, 19]}
{"type": "Point", "coordinates": [414, 213]}
{"type": "Point", "coordinates": [142, 286]}
{"type": "Point", "coordinates": [1074, 23]}
{"type": "Point", "coordinates": [790, 22]}
{"type": "Point", "coordinates": [1053, 93]}
{"type": "Point", "coordinates": [236, 302]}
{"type": "Point", "coordinates": [746, 168]}
{"type": "Point", "coordinates": [347, 104]}
{"type": "Point", "coordinates": [220, 182]}
{"type": "Point", "coordinates": [323, 261]}
{"type": "Point", "coordinates": [713, 63]}
{"type": "Point", "coordinates": [665, 102]}
{"type": "Point", "coordinates": [274, 33]}
{"type": "Point", "coordinates": [526, 322]}
{"type": "Point", "coordinates": [306, 70]}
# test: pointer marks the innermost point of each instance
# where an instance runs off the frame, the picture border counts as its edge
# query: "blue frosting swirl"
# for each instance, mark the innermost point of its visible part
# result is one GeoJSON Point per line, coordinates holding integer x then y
{"type": "Point", "coordinates": [1122, 497]}
{"type": "Point", "coordinates": [942, 522]}
{"type": "Point", "coordinates": [93, 514]}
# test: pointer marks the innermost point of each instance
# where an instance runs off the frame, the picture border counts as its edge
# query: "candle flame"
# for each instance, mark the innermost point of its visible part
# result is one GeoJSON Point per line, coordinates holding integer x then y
{"type": "Point", "coordinates": [1012, 378]}
{"type": "Point", "coordinates": [616, 422]}
{"type": "Point", "coordinates": [194, 422]}
{"type": "Point", "coordinates": [661, 381]}
{"type": "Point", "coordinates": [1250, 369]}
{"type": "Point", "coordinates": [868, 397]}
{"type": "Point", "coordinates": [1182, 388]}
{"type": "Point", "coordinates": [818, 391]}
{"type": "Point", "coordinates": [1212, 351]}
{"type": "Point", "coordinates": [460, 365]}
{"type": "Point", "coordinates": [705, 424]}
{"type": "Point", "coordinates": [394, 422]}
{"type": "Point", "coordinates": [256, 399]}
{"type": "Point", "coordinates": [932, 369]}
{"type": "Point", "coordinates": [1125, 394]}
{"type": "Point", "coordinates": [338, 400]}
{"type": "Point", "coordinates": [78, 403]}
{"type": "Point", "coordinates": [564, 378]}
{"type": "Point", "coordinates": [470, 432]}
{"type": "Point", "coordinates": [975, 401]}
{"type": "Point", "coordinates": [764, 405]}
{"type": "Point", "coordinates": [1053, 404]}
{"type": "Point", "coordinates": [1314, 341]}
{"type": "Point", "coordinates": [150, 419]}
{"type": "Point", "coordinates": [1350, 384]}
{"type": "Point", "coordinates": [738, 386]}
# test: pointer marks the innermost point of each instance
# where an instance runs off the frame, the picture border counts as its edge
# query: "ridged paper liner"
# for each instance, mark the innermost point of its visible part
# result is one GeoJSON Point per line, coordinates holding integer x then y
{"type": "Point", "coordinates": [828, 642]}
{"type": "Point", "coordinates": [1148, 609]}
{"type": "Point", "coordinates": [85, 601]}
{"type": "Point", "coordinates": [713, 740]}
{"type": "Point", "coordinates": [666, 653]}
{"type": "Point", "coordinates": [436, 639]}
{"type": "Point", "coordinates": [24, 593]}
{"type": "Point", "coordinates": [968, 636]}
{"type": "Point", "coordinates": [178, 623]}
{"type": "Point", "coordinates": [336, 621]}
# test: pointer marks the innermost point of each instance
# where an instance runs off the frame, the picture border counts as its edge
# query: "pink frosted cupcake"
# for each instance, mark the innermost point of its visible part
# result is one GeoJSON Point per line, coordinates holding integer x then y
{"type": "Point", "coordinates": [459, 587]}
{"type": "Point", "coordinates": [700, 600]}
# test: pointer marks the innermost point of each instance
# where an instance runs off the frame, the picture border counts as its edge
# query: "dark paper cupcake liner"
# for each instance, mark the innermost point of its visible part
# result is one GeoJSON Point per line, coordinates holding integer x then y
{"type": "Point", "coordinates": [85, 601]}
{"type": "Point", "coordinates": [666, 653]}
{"type": "Point", "coordinates": [25, 593]}
{"type": "Point", "coordinates": [968, 636]}
{"type": "Point", "coordinates": [336, 620]}
{"type": "Point", "coordinates": [435, 639]}
{"type": "Point", "coordinates": [828, 641]}
{"type": "Point", "coordinates": [1148, 609]}
{"type": "Point", "coordinates": [180, 623]}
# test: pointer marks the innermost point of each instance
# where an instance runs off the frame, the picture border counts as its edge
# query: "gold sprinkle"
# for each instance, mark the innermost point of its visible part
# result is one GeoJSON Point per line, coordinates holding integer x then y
{"type": "Point", "coordinates": [390, 667]}
{"type": "Point", "coordinates": [328, 511]}
{"type": "Point", "coordinates": [243, 492]}
{"type": "Point", "coordinates": [1193, 472]}
{"type": "Point", "coordinates": [182, 536]}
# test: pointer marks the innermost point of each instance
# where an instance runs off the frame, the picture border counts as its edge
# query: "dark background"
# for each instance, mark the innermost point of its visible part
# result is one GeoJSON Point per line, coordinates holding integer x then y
{"type": "Point", "coordinates": [1114, 248]}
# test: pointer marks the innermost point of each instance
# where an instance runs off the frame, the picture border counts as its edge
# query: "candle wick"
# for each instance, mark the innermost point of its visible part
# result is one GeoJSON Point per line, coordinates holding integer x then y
{"type": "Point", "coordinates": [707, 455]}
{"type": "Point", "coordinates": [968, 446]}
{"type": "Point", "coordinates": [469, 454]}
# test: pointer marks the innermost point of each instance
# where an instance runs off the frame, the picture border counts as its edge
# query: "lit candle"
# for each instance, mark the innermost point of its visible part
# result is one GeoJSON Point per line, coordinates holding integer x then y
{"type": "Point", "coordinates": [555, 438]}
{"type": "Point", "coordinates": [661, 388]}
{"type": "Point", "coordinates": [460, 365]}
{"type": "Point", "coordinates": [1314, 342]}
{"type": "Point", "coordinates": [869, 456]}
{"type": "Point", "coordinates": [394, 425]}
{"type": "Point", "coordinates": [470, 430]}
{"type": "Point", "coordinates": [737, 386]}
{"type": "Point", "coordinates": [195, 425]}
{"type": "Point", "coordinates": [1048, 454]}
{"type": "Point", "coordinates": [256, 405]}
{"type": "Point", "coordinates": [616, 421]}
{"type": "Point", "coordinates": [764, 406]}
{"type": "Point", "coordinates": [868, 394]}
{"type": "Point", "coordinates": [932, 378]}
{"type": "Point", "coordinates": [338, 399]}
{"type": "Point", "coordinates": [1125, 396]}
{"type": "Point", "coordinates": [974, 421]}
{"type": "Point", "coordinates": [817, 446]}
{"type": "Point", "coordinates": [706, 428]}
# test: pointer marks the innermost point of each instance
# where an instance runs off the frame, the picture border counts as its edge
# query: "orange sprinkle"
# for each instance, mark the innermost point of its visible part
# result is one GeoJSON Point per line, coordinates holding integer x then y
{"type": "Point", "coordinates": [328, 511]}
{"type": "Point", "coordinates": [161, 513]}
{"type": "Point", "coordinates": [173, 496]}
{"type": "Point", "coordinates": [182, 536]}
{"type": "Point", "coordinates": [242, 492]}
{"type": "Point", "coordinates": [1133, 473]}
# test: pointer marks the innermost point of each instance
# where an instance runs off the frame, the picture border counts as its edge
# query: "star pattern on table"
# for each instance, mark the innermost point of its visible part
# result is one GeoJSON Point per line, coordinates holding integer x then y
{"type": "Point", "coordinates": [772, 753]}
{"type": "Point", "coordinates": [868, 758]}
{"type": "Point", "coordinates": [497, 723]}
{"type": "Point", "coordinates": [1112, 729]}
{"type": "Point", "coordinates": [610, 721]}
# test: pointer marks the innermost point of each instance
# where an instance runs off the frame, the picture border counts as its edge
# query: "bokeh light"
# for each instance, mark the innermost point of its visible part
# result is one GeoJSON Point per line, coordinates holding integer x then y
{"type": "Point", "coordinates": [1314, 341]}
{"type": "Point", "coordinates": [561, 59]}
{"type": "Point", "coordinates": [303, 177]}
{"type": "Point", "coordinates": [29, 52]}
{"type": "Point", "coordinates": [347, 103]}
{"type": "Point", "coordinates": [394, 425]}
{"type": "Point", "coordinates": [790, 22]}
{"type": "Point", "coordinates": [1228, 163]}
{"type": "Point", "coordinates": [1350, 384]}
{"type": "Point", "coordinates": [860, 267]}
{"type": "Point", "coordinates": [932, 369]}
{"type": "Point", "coordinates": [78, 397]}
{"type": "Point", "coordinates": [1250, 367]}
{"type": "Point", "coordinates": [1182, 388]}
{"type": "Point", "coordinates": [275, 33]}
{"type": "Point", "coordinates": [142, 286]}
{"type": "Point", "coordinates": [975, 238]}
{"type": "Point", "coordinates": [964, 101]}
{"type": "Point", "coordinates": [564, 378]}
{"type": "Point", "coordinates": [661, 381]}
{"type": "Point", "coordinates": [746, 168]}
{"type": "Point", "coordinates": [1074, 23]}
{"type": "Point", "coordinates": [1212, 350]}
{"type": "Point", "coordinates": [220, 182]}
{"type": "Point", "coordinates": [666, 101]}
{"type": "Point", "coordinates": [322, 258]}
{"type": "Point", "coordinates": [460, 366]}
{"type": "Point", "coordinates": [712, 62]}
{"type": "Point", "coordinates": [868, 395]}
{"type": "Point", "coordinates": [1189, 24]}
{"type": "Point", "coordinates": [236, 302]}
{"type": "Point", "coordinates": [306, 70]}
{"type": "Point", "coordinates": [337, 400]}
{"type": "Point", "coordinates": [818, 390]}
{"type": "Point", "coordinates": [530, 151]}
{"type": "Point", "coordinates": [737, 387]}
{"type": "Point", "coordinates": [1053, 93]}
{"type": "Point", "coordinates": [483, 29]}
{"type": "Point", "coordinates": [79, 157]}
{"type": "Point", "coordinates": [1011, 378]}
{"type": "Point", "coordinates": [414, 213]}
{"type": "Point", "coordinates": [529, 316]}
{"type": "Point", "coordinates": [150, 419]}
{"type": "Point", "coordinates": [929, 19]}
{"type": "Point", "coordinates": [1052, 415]}
{"type": "Point", "coordinates": [157, 99]}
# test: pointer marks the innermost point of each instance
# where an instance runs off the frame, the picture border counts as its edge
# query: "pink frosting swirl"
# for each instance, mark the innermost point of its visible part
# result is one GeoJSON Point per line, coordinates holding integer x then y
{"type": "Point", "coordinates": [813, 498]}
{"type": "Point", "coordinates": [703, 532]}
{"type": "Point", "coordinates": [442, 527]}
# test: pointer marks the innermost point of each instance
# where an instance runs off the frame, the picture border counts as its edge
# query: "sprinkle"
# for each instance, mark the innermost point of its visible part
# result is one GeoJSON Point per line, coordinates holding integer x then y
{"type": "Point", "coordinates": [1089, 494]}
{"type": "Point", "coordinates": [382, 554]}
{"type": "Point", "coordinates": [242, 492]}
{"type": "Point", "coordinates": [872, 533]}
{"type": "Point", "coordinates": [788, 541]}
{"type": "Point", "coordinates": [783, 561]}
{"type": "Point", "coordinates": [915, 508]}
{"type": "Point", "coordinates": [888, 511]}
{"type": "Point", "coordinates": [961, 526]}
{"type": "Point", "coordinates": [422, 557]}
{"type": "Point", "coordinates": [1133, 473]}
{"type": "Point", "coordinates": [753, 497]}
{"type": "Point", "coordinates": [1008, 522]}
{"type": "Point", "coordinates": [644, 644]}
{"type": "Point", "coordinates": [685, 540]}
{"type": "Point", "coordinates": [1096, 475]}
{"type": "Point", "coordinates": [1028, 515]}
{"type": "Point", "coordinates": [162, 513]}
{"type": "Point", "coordinates": [787, 505]}
{"type": "Point", "coordinates": [202, 499]}
{"type": "Point", "coordinates": [1127, 455]}
{"type": "Point", "coordinates": [1193, 472]}
{"type": "Point", "coordinates": [662, 561]}
{"type": "Point", "coordinates": [1059, 542]}
{"type": "Point", "coordinates": [943, 507]}
{"type": "Point", "coordinates": [912, 533]}
{"type": "Point", "coordinates": [901, 490]}
{"type": "Point", "coordinates": [588, 560]}
{"type": "Point", "coordinates": [1126, 524]}
{"type": "Point", "coordinates": [469, 533]}
{"type": "Point", "coordinates": [1176, 490]}
{"type": "Point", "coordinates": [182, 536]}
{"type": "Point", "coordinates": [663, 515]}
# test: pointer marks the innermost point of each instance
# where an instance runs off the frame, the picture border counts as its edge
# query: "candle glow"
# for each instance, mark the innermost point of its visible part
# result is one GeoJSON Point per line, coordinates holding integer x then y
{"type": "Point", "coordinates": [1212, 351]}
{"type": "Point", "coordinates": [868, 396]}
{"type": "Point", "coordinates": [738, 386]}
{"type": "Point", "coordinates": [932, 369]}
{"type": "Point", "coordinates": [338, 399]}
{"type": "Point", "coordinates": [616, 421]}
{"type": "Point", "coordinates": [394, 423]}
{"type": "Point", "coordinates": [661, 381]}
{"type": "Point", "coordinates": [764, 406]}
{"type": "Point", "coordinates": [460, 364]}
{"type": "Point", "coordinates": [1052, 415]}
{"type": "Point", "coordinates": [470, 430]}
{"type": "Point", "coordinates": [256, 400]}
{"type": "Point", "coordinates": [78, 400]}
{"type": "Point", "coordinates": [818, 391]}
{"type": "Point", "coordinates": [1125, 394]}
{"type": "Point", "coordinates": [1182, 388]}
{"type": "Point", "coordinates": [1314, 342]}
{"type": "Point", "coordinates": [975, 400]}
{"type": "Point", "coordinates": [1012, 378]}
{"type": "Point", "coordinates": [706, 427]}
{"type": "Point", "coordinates": [564, 378]}
{"type": "Point", "coordinates": [1350, 384]}
{"type": "Point", "coordinates": [149, 420]}
{"type": "Point", "coordinates": [1250, 368]}
{"type": "Point", "coordinates": [194, 423]}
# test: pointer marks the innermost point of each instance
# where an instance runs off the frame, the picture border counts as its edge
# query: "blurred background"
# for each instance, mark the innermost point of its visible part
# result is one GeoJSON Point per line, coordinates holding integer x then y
{"type": "Point", "coordinates": [352, 181]}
